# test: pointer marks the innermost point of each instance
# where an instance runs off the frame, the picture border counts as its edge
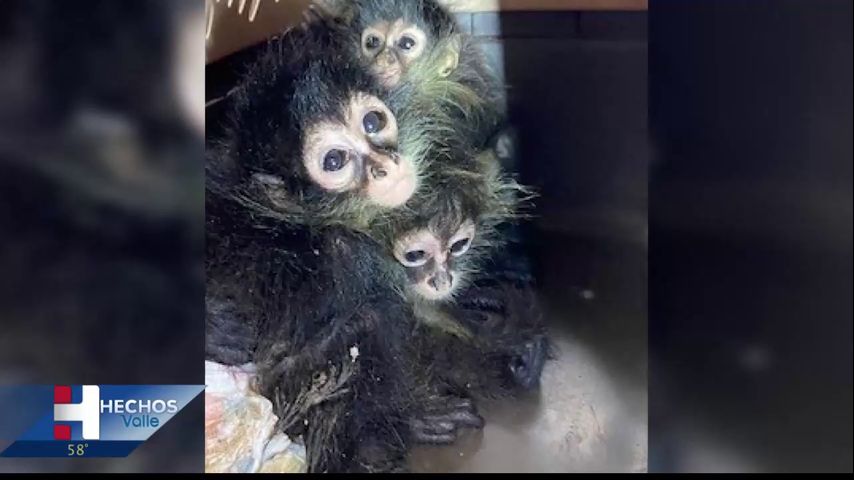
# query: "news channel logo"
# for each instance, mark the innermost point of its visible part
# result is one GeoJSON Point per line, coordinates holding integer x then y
{"type": "Point", "coordinates": [90, 420]}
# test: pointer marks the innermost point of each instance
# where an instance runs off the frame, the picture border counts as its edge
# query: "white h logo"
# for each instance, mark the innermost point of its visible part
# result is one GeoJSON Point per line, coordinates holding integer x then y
{"type": "Point", "coordinates": [86, 412]}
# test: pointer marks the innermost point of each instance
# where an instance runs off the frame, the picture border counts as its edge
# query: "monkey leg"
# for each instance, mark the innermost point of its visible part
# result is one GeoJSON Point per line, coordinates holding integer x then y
{"type": "Point", "coordinates": [341, 436]}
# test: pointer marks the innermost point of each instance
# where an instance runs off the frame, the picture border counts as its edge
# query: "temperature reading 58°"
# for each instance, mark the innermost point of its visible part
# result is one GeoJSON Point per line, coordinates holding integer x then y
{"type": "Point", "coordinates": [77, 449]}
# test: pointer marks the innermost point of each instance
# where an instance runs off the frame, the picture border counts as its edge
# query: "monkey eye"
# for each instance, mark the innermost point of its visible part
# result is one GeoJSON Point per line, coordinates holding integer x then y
{"type": "Point", "coordinates": [406, 43]}
{"type": "Point", "coordinates": [372, 42]}
{"type": "Point", "coordinates": [460, 247]}
{"type": "Point", "coordinates": [373, 122]}
{"type": "Point", "coordinates": [414, 258]}
{"type": "Point", "coordinates": [334, 160]}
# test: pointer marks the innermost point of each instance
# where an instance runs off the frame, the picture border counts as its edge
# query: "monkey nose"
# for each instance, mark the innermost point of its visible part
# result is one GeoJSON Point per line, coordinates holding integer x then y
{"type": "Point", "coordinates": [387, 156]}
{"type": "Point", "coordinates": [387, 58]}
{"type": "Point", "coordinates": [382, 165]}
{"type": "Point", "coordinates": [441, 281]}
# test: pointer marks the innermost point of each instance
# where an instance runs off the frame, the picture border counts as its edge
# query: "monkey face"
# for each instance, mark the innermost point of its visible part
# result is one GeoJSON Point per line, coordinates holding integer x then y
{"type": "Point", "coordinates": [397, 36]}
{"type": "Point", "coordinates": [391, 47]}
{"type": "Point", "coordinates": [434, 260]}
{"type": "Point", "coordinates": [360, 154]}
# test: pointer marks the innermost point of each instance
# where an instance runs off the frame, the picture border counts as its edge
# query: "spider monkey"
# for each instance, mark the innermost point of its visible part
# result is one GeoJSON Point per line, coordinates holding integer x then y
{"type": "Point", "coordinates": [294, 283]}
{"type": "Point", "coordinates": [436, 73]}
{"type": "Point", "coordinates": [314, 175]}
{"type": "Point", "coordinates": [480, 327]}
{"type": "Point", "coordinates": [450, 107]}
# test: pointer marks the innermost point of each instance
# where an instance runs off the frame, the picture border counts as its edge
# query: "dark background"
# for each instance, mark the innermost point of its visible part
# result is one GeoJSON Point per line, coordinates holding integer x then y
{"type": "Point", "coordinates": [101, 212]}
{"type": "Point", "coordinates": [731, 127]}
{"type": "Point", "coordinates": [750, 234]}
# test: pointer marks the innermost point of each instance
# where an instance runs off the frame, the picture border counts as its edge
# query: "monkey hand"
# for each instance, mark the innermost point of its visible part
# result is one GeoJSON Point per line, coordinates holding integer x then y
{"type": "Point", "coordinates": [441, 419]}
{"type": "Point", "coordinates": [526, 366]}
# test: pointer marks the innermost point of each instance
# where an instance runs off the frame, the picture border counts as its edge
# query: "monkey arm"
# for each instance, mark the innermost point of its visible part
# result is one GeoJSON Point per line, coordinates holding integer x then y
{"type": "Point", "coordinates": [230, 338]}
{"type": "Point", "coordinates": [504, 354]}
{"type": "Point", "coordinates": [344, 389]}
{"type": "Point", "coordinates": [364, 428]}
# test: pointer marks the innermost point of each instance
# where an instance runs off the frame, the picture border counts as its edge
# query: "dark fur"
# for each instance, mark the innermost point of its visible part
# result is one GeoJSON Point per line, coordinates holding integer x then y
{"type": "Point", "coordinates": [303, 76]}
{"type": "Point", "coordinates": [311, 296]}
{"type": "Point", "coordinates": [460, 109]}
{"type": "Point", "coordinates": [294, 289]}
{"type": "Point", "coordinates": [430, 16]}
{"type": "Point", "coordinates": [447, 116]}
{"type": "Point", "coordinates": [504, 354]}
{"type": "Point", "coordinates": [295, 299]}
{"type": "Point", "coordinates": [499, 344]}
{"type": "Point", "coordinates": [447, 119]}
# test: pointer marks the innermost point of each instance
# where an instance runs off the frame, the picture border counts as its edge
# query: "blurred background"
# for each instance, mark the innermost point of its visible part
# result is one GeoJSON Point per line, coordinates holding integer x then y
{"type": "Point", "coordinates": [724, 126]}
{"type": "Point", "coordinates": [750, 301]}
{"type": "Point", "coordinates": [101, 207]}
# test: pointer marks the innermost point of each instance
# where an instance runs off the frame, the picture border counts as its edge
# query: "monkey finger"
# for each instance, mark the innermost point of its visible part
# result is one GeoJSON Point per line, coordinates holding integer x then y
{"type": "Point", "coordinates": [465, 419]}
{"type": "Point", "coordinates": [443, 404]}
{"type": "Point", "coordinates": [483, 302]}
{"type": "Point", "coordinates": [434, 439]}
{"type": "Point", "coordinates": [425, 427]}
{"type": "Point", "coordinates": [435, 425]}
{"type": "Point", "coordinates": [455, 420]}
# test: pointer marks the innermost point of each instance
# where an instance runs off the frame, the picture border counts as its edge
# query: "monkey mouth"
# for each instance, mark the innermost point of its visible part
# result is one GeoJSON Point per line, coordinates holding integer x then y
{"type": "Point", "coordinates": [433, 294]}
{"type": "Point", "coordinates": [396, 191]}
{"type": "Point", "coordinates": [388, 76]}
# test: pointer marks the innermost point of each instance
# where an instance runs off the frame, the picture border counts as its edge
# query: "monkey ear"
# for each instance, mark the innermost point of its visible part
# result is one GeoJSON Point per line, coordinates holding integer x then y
{"type": "Point", "coordinates": [451, 57]}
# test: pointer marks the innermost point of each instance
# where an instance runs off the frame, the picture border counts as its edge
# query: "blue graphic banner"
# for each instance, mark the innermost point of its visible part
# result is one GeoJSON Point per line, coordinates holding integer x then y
{"type": "Point", "coordinates": [87, 420]}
